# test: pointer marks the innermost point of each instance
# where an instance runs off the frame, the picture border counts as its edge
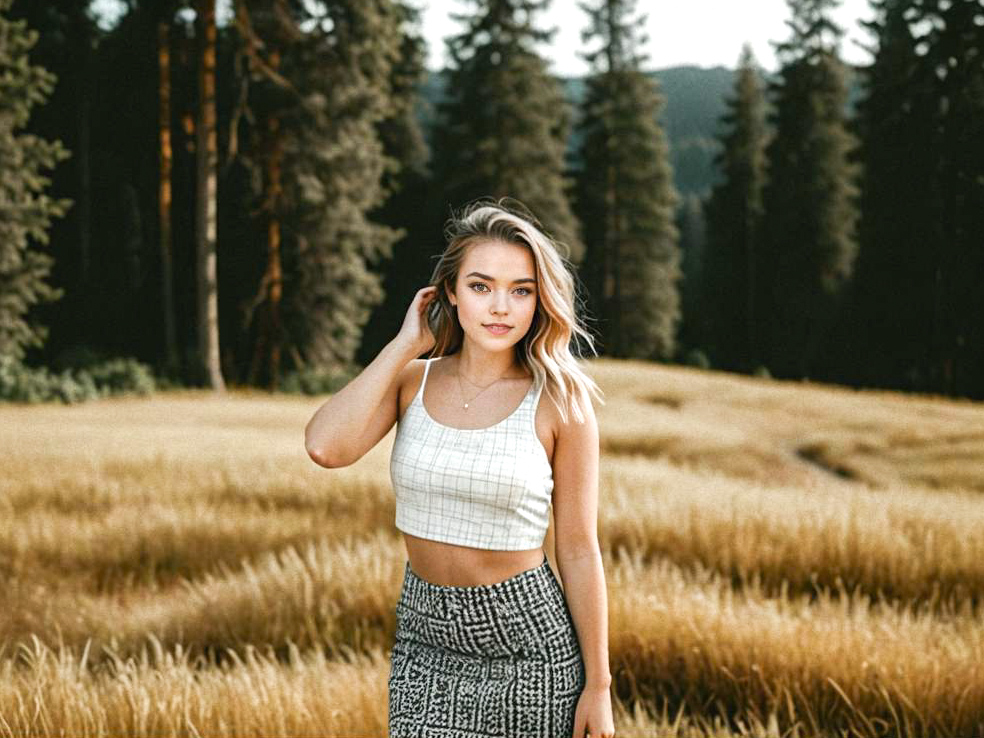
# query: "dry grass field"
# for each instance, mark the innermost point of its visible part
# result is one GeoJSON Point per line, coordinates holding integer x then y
{"type": "Point", "coordinates": [783, 559]}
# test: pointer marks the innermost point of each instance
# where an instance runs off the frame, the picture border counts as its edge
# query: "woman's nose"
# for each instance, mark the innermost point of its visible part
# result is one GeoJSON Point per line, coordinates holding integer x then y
{"type": "Point", "coordinates": [500, 303]}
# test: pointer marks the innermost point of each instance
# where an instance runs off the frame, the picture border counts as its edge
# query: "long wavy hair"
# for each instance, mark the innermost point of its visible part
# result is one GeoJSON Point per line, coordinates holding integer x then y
{"type": "Point", "coordinates": [545, 350]}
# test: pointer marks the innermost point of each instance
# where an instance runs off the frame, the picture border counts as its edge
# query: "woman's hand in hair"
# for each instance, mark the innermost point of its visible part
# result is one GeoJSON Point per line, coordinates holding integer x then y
{"type": "Point", "coordinates": [416, 330]}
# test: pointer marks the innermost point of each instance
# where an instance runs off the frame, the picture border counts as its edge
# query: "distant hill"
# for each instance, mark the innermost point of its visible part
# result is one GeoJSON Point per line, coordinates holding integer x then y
{"type": "Point", "coordinates": [695, 102]}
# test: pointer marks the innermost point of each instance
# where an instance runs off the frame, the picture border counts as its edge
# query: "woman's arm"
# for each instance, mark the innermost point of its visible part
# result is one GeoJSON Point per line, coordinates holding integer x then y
{"type": "Point", "coordinates": [356, 417]}
{"type": "Point", "coordinates": [579, 563]}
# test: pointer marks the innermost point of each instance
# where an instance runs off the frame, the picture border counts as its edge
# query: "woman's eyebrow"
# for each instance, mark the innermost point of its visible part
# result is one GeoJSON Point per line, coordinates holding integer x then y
{"type": "Point", "coordinates": [491, 279]}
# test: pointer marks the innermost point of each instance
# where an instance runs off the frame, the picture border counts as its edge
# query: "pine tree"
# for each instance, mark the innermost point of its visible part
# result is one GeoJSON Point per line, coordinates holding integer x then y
{"type": "Point", "coordinates": [26, 212]}
{"type": "Point", "coordinates": [734, 216]}
{"type": "Point", "coordinates": [265, 33]}
{"type": "Point", "coordinates": [953, 37]}
{"type": "Point", "coordinates": [892, 293]}
{"type": "Point", "coordinates": [66, 41]}
{"type": "Point", "coordinates": [322, 80]}
{"type": "Point", "coordinates": [337, 165]}
{"type": "Point", "coordinates": [809, 240]}
{"type": "Point", "coordinates": [626, 195]}
{"type": "Point", "coordinates": [408, 185]}
{"type": "Point", "coordinates": [400, 131]}
{"type": "Point", "coordinates": [502, 129]}
{"type": "Point", "coordinates": [117, 309]}
{"type": "Point", "coordinates": [692, 224]}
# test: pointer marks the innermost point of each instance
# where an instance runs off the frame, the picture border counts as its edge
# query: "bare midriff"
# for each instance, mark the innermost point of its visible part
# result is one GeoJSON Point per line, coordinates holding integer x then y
{"type": "Point", "coordinates": [449, 565]}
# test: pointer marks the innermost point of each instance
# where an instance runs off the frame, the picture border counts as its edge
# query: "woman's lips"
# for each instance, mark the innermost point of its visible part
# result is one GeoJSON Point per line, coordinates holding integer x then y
{"type": "Point", "coordinates": [498, 330]}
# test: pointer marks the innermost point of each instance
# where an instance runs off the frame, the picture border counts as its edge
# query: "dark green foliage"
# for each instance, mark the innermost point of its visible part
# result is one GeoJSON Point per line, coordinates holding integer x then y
{"type": "Point", "coordinates": [121, 376]}
{"type": "Point", "coordinates": [917, 299]}
{"type": "Point", "coordinates": [502, 126]}
{"type": "Point", "coordinates": [626, 197]}
{"type": "Point", "coordinates": [64, 47]}
{"type": "Point", "coordinates": [697, 358]}
{"type": "Point", "coordinates": [26, 211]}
{"type": "Point", "coordinates": [400, 131]}
{"type": "Point", "coordinates": [336, 90]}
{"type": "Point", "coordinates": [107, 249]}
{"type": "Point", "coordinates": [893, 288]}
{"type": "Point", "coordinates": [695, 102]}
{"type": "Point", "coordinates": [357, 178]}
{"type": "Point", "coordinates": [734, 219]}
{"type": "Point", "coordinates": [692, 225]}
{"type": "Point", "coordinates": [334, 165]}
{"type": "Point", "coordinates": [409, 184]}
{"type": "Point", "coordinates": [332, 175]}
{"type": "Point", "coordinates": [953, 41]}
{"type": "Point", "coordinates": [312, 381]}
{"type": "Point", "coordinates": [809, 243]}
{"type": "Point", "coordinates": [692, 160]}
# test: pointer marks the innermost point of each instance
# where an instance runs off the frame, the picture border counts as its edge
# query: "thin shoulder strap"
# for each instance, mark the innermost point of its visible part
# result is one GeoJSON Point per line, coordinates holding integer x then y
{"type": "Point", "coordinates": [427, 367]}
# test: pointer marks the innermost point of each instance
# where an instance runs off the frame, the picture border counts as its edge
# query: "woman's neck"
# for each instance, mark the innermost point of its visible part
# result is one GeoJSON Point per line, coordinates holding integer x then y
{"type": "Point", "coordinates": [484, 367]}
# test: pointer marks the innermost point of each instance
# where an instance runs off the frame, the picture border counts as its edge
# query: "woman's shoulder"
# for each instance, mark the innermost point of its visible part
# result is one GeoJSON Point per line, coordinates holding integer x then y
{"type": "Point", "coordinates": [409, 381]}
{"type": "Point", "coordinates": [568, 406]}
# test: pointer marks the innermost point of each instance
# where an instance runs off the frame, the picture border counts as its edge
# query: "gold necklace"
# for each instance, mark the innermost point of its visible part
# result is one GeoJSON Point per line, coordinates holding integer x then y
{"type": "Point", "coordinates": [462, 391]}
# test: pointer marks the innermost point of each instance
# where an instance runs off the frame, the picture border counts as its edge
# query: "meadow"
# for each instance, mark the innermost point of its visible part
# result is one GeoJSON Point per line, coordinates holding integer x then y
{"type": "Point", "coordinates": [782, 559]}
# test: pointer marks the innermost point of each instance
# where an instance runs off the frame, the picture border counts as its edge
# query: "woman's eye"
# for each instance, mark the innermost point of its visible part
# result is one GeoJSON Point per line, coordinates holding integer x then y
{"type": "Point", "coordinates": [525, 290]}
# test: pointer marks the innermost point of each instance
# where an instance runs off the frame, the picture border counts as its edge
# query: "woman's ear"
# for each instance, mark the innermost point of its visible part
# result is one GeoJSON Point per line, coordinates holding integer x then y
{"type": "Point", "coordinates": [450, 295]}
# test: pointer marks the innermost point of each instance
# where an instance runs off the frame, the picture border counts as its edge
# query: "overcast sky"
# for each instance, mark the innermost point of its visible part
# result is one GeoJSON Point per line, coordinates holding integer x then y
{"type": "Point", "coordinates": [706, 33]}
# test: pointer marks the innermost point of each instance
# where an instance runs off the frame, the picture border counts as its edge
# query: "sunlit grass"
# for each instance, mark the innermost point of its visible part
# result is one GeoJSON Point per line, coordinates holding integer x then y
{"type": "Point", "coordinates": [167, 693]}
{"type": "Point", "coordinates": [910, 545]}
{"type": "Point", "coordinates": [782, 559]}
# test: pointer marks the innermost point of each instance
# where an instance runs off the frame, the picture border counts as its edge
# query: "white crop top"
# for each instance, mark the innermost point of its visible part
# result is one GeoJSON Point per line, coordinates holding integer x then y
{"type": "Point", "coordinates": [484, 487]}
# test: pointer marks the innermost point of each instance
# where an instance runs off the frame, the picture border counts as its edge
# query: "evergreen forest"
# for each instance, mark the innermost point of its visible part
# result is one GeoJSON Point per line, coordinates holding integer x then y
{"type": "Point", "coordinates": [254, 203]}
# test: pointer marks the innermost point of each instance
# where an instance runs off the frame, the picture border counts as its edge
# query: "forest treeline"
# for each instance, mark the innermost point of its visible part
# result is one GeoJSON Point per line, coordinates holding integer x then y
{"type": "Point", "coordinates": [255, 203]}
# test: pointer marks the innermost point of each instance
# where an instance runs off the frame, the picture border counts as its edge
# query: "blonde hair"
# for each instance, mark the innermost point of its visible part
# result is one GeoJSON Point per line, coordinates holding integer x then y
{"type": "Point", "coordinates": [545, 350]}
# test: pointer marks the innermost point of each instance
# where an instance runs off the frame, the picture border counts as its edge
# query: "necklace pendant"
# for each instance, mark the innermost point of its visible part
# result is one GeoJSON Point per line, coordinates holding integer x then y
{"type": "Point", "coordinates": [466, 406]}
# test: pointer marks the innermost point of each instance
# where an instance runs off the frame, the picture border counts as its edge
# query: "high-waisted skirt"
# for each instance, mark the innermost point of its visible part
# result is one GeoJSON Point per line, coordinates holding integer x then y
{"type": "Point", "coordinates": [488, 660]}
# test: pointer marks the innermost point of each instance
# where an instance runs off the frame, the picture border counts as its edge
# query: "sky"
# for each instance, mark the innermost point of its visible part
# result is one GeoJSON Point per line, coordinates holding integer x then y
{"type": "Point", "coordinates": [704, 33]}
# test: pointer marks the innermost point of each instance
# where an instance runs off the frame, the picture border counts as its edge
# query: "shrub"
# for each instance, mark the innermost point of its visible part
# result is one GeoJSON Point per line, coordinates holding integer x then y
{"type": "Point", "coordinates": [696, 357]}
{"type": "Point", "coordinates": [121, 376]}
{"type": "Point", "coordinates": [20, 383]}
{"type": "Point", "coordinates": [78, 356]}
{"type": "Point", "coordinates": [313, 381]}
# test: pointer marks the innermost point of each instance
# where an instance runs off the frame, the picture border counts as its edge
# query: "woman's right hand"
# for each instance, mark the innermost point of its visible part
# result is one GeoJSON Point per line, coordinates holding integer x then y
{"type": "Point", "coordinates": [416, 330]}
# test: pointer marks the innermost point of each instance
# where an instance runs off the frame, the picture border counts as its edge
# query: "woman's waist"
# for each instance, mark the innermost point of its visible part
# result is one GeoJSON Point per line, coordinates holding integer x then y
{"type": "Point", "coordinates": [451, 565]}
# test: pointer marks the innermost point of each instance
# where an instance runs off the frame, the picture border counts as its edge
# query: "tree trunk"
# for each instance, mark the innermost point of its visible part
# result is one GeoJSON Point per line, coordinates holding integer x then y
{"type": "Point", "coordinates": [748, 353]}
{"type": "Point", "coordinates": [207, 156]}
{"type": "Point", "coordinates": [274, 271]}
{"type": "Point", "coordinates": [164, 195]}
{"type": "Point", "coordinates": [85, 199]}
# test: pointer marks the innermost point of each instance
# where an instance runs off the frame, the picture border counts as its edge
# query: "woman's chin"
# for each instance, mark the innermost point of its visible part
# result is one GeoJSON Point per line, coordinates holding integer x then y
{"type": "Point", "coordinates": [491, 343]}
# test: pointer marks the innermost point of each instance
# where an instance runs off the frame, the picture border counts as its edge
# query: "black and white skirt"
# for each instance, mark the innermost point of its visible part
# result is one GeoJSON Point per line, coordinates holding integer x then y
{"type": "Point", "coordinates": [489, 660]}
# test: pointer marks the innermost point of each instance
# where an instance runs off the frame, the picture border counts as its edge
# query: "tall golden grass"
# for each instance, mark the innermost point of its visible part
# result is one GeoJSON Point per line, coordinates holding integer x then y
{"type": "Point", "coordinates": [782, 559]}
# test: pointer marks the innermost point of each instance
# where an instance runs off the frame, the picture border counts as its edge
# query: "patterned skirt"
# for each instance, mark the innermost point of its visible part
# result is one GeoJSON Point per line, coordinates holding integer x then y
{"type": "Point", "coordinates": [488, 660]}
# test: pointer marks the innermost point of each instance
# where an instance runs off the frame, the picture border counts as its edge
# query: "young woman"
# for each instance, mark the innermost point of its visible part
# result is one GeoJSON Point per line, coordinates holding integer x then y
{"type": "Point", "coordinates": [488, 642]}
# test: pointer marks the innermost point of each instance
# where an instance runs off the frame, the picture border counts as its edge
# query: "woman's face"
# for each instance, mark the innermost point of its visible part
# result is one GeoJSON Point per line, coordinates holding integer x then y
{"type": "Point", "coordinates": [496, 285]}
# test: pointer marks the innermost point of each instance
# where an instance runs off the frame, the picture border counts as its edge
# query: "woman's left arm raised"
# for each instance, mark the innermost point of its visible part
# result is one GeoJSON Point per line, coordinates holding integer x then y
{"type": "Point", "coordinates": [578, 554]}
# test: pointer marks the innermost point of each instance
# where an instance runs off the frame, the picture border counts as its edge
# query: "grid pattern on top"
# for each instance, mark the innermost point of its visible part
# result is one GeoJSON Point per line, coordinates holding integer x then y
{"type": "Point", "coordinates": [487, 488]}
